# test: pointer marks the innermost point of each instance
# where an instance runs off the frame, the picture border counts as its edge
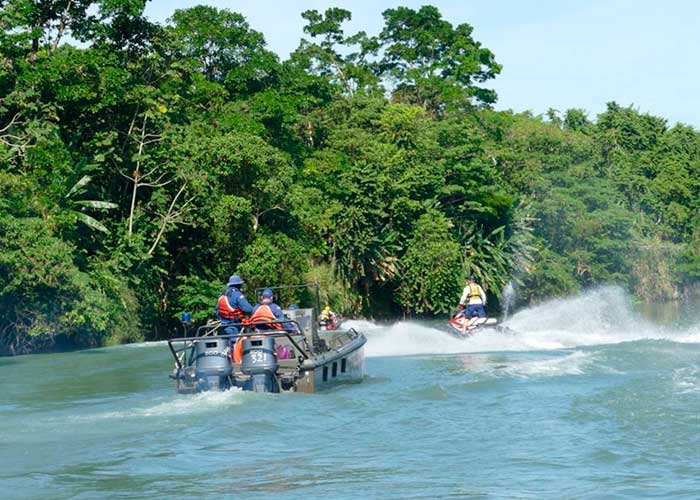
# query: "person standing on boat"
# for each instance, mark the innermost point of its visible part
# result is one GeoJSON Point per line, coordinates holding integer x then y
{"type": "Point", "coordinates": [474, 298]}
{"type": "Point", "coordinates": [267, 310]}
{"type": "Point", "coordinates": [232, 306]}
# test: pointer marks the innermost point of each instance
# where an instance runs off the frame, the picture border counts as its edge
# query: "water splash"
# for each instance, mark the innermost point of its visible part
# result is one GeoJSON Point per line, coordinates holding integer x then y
{"type": "Point", "coordinates": [597, 317]}
{"type": "Point", "coordinates": [508, 299]}
{"type": "Point", "coordinates": [407, 338]}
{"type": "Point", "coordinates": [203, 403]}
{"type": "Point", "coordinates": [571, 364]}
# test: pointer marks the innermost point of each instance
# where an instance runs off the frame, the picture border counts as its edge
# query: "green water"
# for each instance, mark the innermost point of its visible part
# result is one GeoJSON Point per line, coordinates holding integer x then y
{"type": "Point", "coordinates": [568, 407]}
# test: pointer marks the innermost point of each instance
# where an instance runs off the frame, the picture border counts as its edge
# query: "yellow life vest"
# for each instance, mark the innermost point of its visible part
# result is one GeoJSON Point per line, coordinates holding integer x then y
{"type": "Point", "coordinates": [474, 292]}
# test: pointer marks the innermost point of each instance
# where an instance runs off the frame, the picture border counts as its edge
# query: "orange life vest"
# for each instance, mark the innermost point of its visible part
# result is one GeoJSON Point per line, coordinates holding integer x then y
{"type": "Point", "coordinates": [225, 311]}
{"type": "Point", "coordinates": [237, 353]}
{"type": "Point", "coordinates": [264, 313]}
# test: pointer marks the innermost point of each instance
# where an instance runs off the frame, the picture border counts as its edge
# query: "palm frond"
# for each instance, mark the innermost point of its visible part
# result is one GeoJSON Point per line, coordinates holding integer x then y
{"type": "Point", "coordinates": [78, 186]}
{"type": "Point", "coordinates": [91, 222]}
{"type": "Point", "coordinates": [99, 205]}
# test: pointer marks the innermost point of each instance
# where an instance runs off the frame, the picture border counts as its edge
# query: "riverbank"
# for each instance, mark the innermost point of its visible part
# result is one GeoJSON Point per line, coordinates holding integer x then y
{"type": "Point", "coordinates": [604, 305]}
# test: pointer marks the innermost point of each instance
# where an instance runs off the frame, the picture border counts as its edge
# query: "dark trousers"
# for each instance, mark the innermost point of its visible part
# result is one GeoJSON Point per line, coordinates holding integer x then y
{"type": "Point", "coordinates": [476, 310]}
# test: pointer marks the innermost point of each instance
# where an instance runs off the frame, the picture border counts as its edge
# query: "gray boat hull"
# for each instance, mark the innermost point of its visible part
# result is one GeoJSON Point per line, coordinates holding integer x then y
{"type": "Point", "coordinates": [283, 355]}
{"type": "Point", "coordinates": [337, 357]}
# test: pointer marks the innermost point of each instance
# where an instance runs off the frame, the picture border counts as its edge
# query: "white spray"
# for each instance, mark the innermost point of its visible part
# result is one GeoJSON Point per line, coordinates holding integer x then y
{"type": "Point", "coordinates": [508, 299]}
{"type": "Point", "coordinates": [601, 316]}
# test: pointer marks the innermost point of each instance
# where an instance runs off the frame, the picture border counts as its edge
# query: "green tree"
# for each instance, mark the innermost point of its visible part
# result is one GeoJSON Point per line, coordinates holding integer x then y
{"type": "Point", "coordinates": [343, 59]}
{"type": "Point", "coordinates": [433, 64]}
{"type": "Point", "coordinates": [431, 268]}
{"type": "Point", "coordinates": [221, 45]}
{"type": "Point", "coordinates": [153, 161]}
{"type": "Point", "coordinates": [274, 259]}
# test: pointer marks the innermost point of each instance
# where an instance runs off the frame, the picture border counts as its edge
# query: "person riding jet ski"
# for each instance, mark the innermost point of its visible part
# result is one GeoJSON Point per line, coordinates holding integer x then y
{"type": "Point", "coordinates": [471, 306]}
{"type": "Point", "coordinates": [474, 298]}
{"type": "Point", "coordinates": [328, 319]}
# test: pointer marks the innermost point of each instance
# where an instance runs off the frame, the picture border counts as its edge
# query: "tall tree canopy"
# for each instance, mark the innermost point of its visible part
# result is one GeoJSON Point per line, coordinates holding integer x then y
{"type": "Point", "coordinates": [141, 168]}
{"type": "Point", "coordinates": [432, 63]}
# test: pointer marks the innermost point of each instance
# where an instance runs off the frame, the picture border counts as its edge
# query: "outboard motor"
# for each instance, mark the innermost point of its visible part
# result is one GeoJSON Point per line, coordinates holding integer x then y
{"type": "Point", "coordinates": [260, 364]}
{"type": "Point", "coordinates": [213, 366]}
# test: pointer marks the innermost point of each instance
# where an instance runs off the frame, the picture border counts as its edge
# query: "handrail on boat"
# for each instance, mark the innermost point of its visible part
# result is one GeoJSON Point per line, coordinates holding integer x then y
{"type": "Point", "coordinates": [209, 328]}
{"type": "Point", "coordinates": [189, 342]}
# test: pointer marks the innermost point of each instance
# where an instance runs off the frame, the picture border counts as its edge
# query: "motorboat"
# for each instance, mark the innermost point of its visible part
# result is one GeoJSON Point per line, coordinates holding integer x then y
{"type": "Point", "coordinates": [289, 355]}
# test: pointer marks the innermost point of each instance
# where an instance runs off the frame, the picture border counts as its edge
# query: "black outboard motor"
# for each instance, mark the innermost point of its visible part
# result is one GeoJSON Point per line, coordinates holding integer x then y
{"type": "Point", "coordinates": [213, 366]}
{"type": "Point", "coordinates": [260, 363]}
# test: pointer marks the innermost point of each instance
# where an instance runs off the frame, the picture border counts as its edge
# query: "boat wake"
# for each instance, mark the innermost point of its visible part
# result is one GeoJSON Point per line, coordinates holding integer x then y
{"type": "Point", "coordinates": [203, 403]}
{"type": "Point", "coordinates": [575, 363]}
{"type": "Point", "coordinates": [598, 317]}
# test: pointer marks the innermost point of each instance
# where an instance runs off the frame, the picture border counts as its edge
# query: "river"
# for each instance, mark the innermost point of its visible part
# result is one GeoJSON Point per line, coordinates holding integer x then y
{"type": "Point", "coordinates": [586, 400]}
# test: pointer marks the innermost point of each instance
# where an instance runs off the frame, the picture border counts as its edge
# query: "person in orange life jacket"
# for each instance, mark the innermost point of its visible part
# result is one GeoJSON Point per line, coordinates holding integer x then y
{"type": "Point", "coordinates": [232, 306]}
{"type": "Point", "coordinates": [474, 298]}
{"type": "Point", "coordinates": [267, 310]}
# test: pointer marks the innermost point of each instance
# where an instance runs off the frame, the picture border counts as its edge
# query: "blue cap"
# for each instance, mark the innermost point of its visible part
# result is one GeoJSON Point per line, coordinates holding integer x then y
{"type": "Point", "coordinates": [235, 280]}
{"type": "Point", "coordinates": [293, 307]}
{"type": "Point", "coordinates": [267, 293]}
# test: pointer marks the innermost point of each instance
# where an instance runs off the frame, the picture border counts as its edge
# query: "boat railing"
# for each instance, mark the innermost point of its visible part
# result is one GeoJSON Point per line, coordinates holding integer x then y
{"type": "Point", "coordinates": [208, 329]}
{"type": "Point", "coordinates": [247, 330]}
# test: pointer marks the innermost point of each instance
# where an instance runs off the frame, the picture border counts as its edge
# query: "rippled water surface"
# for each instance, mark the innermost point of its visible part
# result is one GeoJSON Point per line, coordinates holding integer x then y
{"type": "Point", "coordinates": [571, 405]}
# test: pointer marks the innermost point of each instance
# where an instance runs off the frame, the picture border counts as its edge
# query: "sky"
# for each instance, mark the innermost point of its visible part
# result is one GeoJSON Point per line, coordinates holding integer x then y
{"type": "Point", "coordinates": [557, 54]}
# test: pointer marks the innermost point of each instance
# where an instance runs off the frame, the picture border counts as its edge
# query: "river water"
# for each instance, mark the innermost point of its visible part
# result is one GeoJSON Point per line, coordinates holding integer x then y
{"type": "Point", "coordinates": [586, 400]}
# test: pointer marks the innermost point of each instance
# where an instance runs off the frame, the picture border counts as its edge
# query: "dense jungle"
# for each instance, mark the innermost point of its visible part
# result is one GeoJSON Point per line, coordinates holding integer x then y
{"type": "Point", "coordinates": [141, 164]}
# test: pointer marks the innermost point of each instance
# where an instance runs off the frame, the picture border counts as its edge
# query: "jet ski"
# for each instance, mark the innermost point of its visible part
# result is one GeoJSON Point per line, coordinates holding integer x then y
{"type": "Point", "coordinates": [462, 326]}
{"type": "Point", "coordinates": [331, 324]}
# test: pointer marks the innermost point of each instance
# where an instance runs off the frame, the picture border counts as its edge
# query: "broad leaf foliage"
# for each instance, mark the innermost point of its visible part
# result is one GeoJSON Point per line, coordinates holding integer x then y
{"type": "Point", "coordinates": [141, 168]}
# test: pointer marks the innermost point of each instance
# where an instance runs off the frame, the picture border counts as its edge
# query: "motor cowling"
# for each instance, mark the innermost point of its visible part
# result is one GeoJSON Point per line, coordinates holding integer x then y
{"type": "Point", "coordinates": [213, 366]}
{"type": "Point", "coordinates": [260, 364]}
